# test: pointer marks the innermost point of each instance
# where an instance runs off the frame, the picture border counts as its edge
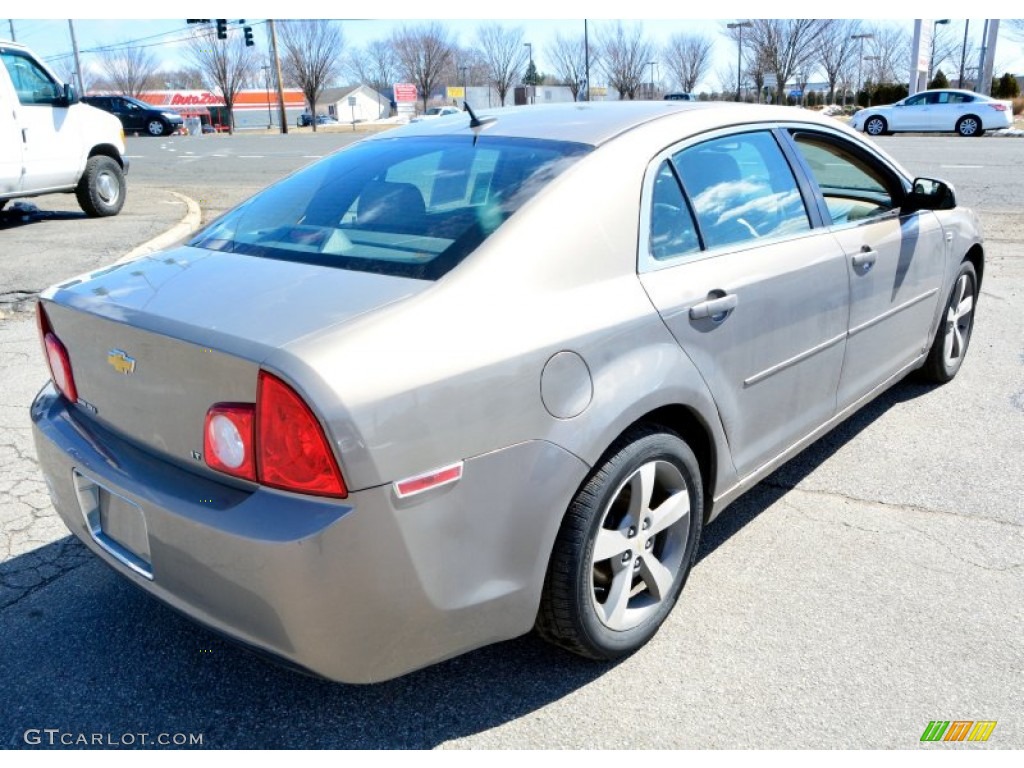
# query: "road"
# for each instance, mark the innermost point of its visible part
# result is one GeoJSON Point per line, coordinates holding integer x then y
{"type": "Point", "coordinates": [869, 586]}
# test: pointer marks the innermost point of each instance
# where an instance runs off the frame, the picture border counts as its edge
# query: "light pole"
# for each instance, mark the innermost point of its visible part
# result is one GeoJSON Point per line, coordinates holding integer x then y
{"type": "Point", "coordinates": [739, 53]}
{"type": "Point", "coordinates": [871, 58]}
{"type": "Point", "coordinates": [651, 65]}
{"type": "Point", "coordinates": [860, 62]}
{"type": "Point", "coordinates": [530, 73]}
{"type": "Point", "coordinates": [586, 56]}
{"type": "Point", "coordinates": [931, 59]}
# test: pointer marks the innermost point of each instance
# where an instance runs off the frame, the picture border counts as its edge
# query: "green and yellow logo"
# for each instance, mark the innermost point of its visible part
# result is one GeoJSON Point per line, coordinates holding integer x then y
{"type": "Point", "coordinates": [958, 730]}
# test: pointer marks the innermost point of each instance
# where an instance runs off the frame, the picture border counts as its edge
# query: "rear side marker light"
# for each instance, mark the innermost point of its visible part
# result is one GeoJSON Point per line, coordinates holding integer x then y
{"type": "Point", "coordinates": [434, 479]}
{"type": "Point", "coordinates": [56, 357]}
{"type": "Point", "coordinates": [228, 442]}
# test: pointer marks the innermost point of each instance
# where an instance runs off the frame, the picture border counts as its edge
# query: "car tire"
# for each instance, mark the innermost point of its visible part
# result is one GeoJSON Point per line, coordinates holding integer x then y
{"type": "Point", "coordinates": [101, 189]}
{"type": "Point", "coordinates": [876, 126]}
{"type": "Point", "coordinates": [954, 332]}
{"type": "Point", "coordinates": [625, 547]}
{"type": "Point", "coordinates": [969, 125]}
{"type": "Point", "coordinates": [157, 128]}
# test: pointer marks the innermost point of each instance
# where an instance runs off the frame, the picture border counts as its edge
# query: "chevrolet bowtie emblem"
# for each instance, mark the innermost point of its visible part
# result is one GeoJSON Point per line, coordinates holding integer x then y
{"type": "Point", "coordinates": [120, 361]}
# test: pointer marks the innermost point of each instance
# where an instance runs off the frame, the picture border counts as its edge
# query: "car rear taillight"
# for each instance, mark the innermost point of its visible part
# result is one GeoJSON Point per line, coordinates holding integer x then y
{"type": "Point", "coordinates": [277, 442]}
{"type": "Point", "coordinates": [293, 452]}
{"type": "Point", "coordinates": [56, 357]}
{"type": "Point", "coordinates": [228, 442]}
{"type": "Point", "coordinates": [998, 107]}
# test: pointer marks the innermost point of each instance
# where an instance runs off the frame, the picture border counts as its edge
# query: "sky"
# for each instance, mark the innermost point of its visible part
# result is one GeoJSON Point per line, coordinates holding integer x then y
{"type": "Point", "coordinates": [50, 37]}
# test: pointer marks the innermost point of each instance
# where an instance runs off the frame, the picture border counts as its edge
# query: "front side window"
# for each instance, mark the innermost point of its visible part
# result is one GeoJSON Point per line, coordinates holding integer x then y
{"type": "Point", "coordinates": [32, 84]}
{"type": "Point", "coordinates": [411, 207]}
{"type": "Point", "coordinates": [853, 187]}
{"type": "Point", "coordinates": [742, 189]}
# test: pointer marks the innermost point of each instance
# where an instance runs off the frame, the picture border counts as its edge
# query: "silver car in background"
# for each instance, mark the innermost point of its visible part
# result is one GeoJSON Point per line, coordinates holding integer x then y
{"type": "Point", "coordinates": [472, 377]}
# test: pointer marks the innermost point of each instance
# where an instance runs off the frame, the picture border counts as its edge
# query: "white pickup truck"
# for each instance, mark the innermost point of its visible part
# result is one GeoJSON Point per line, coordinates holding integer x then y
{"type": "Point", "coordinates": [50, 142]}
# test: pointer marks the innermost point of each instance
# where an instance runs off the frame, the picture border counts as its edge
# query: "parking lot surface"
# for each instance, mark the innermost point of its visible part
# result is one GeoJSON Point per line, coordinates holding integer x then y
{"type": "Point", "coordinates": [868, 587]}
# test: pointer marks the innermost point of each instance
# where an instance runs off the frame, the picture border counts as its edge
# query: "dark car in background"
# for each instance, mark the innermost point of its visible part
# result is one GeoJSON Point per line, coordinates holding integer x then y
{"type": "Point", "coordinates": [138, 116]}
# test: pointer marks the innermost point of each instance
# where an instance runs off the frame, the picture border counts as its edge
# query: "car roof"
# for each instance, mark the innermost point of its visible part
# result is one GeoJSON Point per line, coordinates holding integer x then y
{"type": "Point", "coordinates": [596, 123]}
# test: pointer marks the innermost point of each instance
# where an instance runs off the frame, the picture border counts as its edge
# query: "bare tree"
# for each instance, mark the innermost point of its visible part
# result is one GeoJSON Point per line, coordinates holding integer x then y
{"type": "Point", "coordinates": [891, 45]}
{"type": "Point", "coordinates": [569, 56]}
{"type": "Point", "coordinates": [185, 78]}
{"type": "Point", "coordinates": [504, 54]}
{"type": "Point", "coordinates": [65, 70]}
{"type": "Point", "coordinates": [128, 70]}
{"type": "Point", "coordinates": [225, 65]}
{"type": "Point", "coordinates": [375, 65]}
{"type": "Point", "coordinates": [312, 56]}
{"type": "Point", "coordinates": [624, 57]}
{"type": "Point", "coordinates": [688, 58]}
{"type": "Point", "coordinates": [837, 54]}
{"type": "Point", "coordinates": [424, 52]}
{"type": "Point", "coordinates": [785, 46]}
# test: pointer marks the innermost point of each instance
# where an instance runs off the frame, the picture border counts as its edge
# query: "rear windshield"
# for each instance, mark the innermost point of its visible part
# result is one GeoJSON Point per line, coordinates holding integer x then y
{"type": "Point", "coordinates": [410, 207]}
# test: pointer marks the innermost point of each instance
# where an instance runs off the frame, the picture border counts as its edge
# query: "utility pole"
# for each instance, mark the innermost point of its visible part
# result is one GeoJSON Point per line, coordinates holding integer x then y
{"type": "Point", "coordinates": [78, 61]}
{"type": "Point", "coordinates": [277, 68]}
{"type": "Point", "coordinates": [963, 53]}
{"type": "Point", "coordinates": [11, 23]}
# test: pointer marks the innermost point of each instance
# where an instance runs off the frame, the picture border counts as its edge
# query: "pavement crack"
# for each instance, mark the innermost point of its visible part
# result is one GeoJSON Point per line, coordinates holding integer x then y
{"type": "Point", "coordinates": [890, 504]}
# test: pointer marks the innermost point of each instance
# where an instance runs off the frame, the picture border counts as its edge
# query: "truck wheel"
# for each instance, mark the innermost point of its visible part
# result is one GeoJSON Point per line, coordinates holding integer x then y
{"type": "Point", "coordinates": [101, 189]}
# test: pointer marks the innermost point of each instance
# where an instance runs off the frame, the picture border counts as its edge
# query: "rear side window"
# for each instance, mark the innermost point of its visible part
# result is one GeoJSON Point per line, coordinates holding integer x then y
{"type": "Point", "coordinates": [410, 207]}
{"type": "Point", "coordinates": [673, 231]}
{"type": "Point", "coordinates": [742, 189]}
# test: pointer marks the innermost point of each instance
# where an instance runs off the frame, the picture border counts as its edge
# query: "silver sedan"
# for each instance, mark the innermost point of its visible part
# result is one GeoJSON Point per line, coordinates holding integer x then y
{"type": "Point", "coordinates": [490, 373]}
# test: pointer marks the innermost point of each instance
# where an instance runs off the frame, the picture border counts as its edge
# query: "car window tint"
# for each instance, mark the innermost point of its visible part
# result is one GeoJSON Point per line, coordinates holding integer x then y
{"type": "Point", "coordinates": [411, 207]}
{"type": "Point", "coordinates": [32, 84]}
{"type": "Point", "coordinates": [915, 101]}
{"type": "Point", "coordinates": [853, 188]}
{"type": "Point", "coordinates": [673, 231]}
{"type": "Point", "coordinates": [742, 189]}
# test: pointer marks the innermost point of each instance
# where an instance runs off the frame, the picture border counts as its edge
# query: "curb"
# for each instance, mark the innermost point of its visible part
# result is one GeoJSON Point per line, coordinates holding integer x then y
{"type": "Point", "coordinates": [188, 225]}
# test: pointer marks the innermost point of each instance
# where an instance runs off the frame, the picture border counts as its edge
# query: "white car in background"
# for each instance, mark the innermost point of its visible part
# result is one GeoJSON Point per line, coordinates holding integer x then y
{"type": "Point", "coordinates": [435, 112]}
{"type": "Point", "coordinates": [965, 112]}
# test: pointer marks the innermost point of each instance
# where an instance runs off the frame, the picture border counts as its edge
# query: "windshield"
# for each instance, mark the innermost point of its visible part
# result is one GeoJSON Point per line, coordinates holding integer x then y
{"type": "Point", "coordinates": [410, 207]}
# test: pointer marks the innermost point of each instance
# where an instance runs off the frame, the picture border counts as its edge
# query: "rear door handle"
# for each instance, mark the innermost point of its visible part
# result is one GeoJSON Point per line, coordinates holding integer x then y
{"type": "Point", "coordinates": [716, 309]}
{"type": "Point", "coordinates": [866, 259]}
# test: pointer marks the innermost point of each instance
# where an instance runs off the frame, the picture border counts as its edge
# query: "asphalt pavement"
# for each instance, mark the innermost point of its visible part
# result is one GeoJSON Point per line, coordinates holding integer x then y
{"type": "Point", "coordinates": [871, 585]}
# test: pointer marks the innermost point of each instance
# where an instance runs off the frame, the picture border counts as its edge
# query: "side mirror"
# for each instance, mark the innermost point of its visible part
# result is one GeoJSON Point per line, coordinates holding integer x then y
{"type": "Point", "coordinates": [930, 195]}
{"type": "Point", "coordinates": [70, 97]}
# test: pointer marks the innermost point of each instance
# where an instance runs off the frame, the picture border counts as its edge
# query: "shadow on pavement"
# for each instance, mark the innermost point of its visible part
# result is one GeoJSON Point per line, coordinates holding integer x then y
{"type": "Point", "coordinates": [91, 654]}
{"type": "Point", "coordinates": [21, 214]}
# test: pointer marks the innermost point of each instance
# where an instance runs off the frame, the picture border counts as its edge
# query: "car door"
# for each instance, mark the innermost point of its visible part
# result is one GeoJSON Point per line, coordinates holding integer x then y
{"type": "Point", "coordinates": [912, 114]}
{"type": "Point", "coordinates": [11, 145]}
{"type": "Point", "coordinates": [49, 138]}
{"type": "Point", "coordinates": [756, 296]}
{"type": "Point", "coordinates": [895, 260]}
{"type": "Point", "coordinates": [130, 114]}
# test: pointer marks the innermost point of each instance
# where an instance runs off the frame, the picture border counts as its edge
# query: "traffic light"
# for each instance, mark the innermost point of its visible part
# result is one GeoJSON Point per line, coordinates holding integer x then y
{"type": "Point", "coordinates": [222, 29]}
{"type": "Point", "coordinates": [197, 21]}
{"type": "Point", "coordinates": [248, 36]}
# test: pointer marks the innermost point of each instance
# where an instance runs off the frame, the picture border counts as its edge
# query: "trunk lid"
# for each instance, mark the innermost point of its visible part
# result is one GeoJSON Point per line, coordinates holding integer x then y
{"type": "Point", "coordinates": [155, 342]}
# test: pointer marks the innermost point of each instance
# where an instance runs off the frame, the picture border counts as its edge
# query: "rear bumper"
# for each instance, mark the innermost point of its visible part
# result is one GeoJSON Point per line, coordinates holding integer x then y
{"type": "Point", "coordinates": [357, 590]}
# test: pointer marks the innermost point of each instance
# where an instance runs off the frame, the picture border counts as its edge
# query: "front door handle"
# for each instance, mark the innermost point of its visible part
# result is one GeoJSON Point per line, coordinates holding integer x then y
{"type": "Point", "coordinates": [716, 309]}
{"type": "Point", "coordinates": [866, 259]}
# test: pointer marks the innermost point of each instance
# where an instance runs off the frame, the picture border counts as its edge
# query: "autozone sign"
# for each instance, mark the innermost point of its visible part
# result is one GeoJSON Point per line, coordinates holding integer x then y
{"type": "Point", "coordinates": [196, 100]}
